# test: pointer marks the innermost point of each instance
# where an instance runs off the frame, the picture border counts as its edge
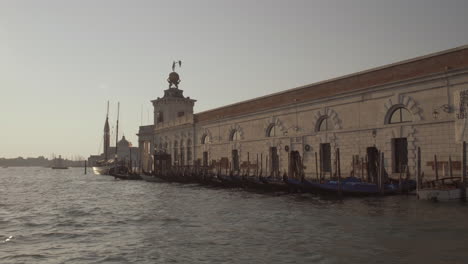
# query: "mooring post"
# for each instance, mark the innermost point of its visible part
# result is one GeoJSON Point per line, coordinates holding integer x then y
{"type": "Point", "coordinates": [320, 163]}
{"type": "Point", "coordinates": [338, 170]}
{"type": "Point", "coordinates": [362, 169]}
{"type": "Point", "coordinates": [354, 171]}
{"type": "Point", "coordinates": [418, 174]}
{"type": "Point", "coordinates": [261, 163]}
{"type": "Point", "coordinates": [367, 168]}
{"type": "Point", "coordinates": [400, 188]}
{"type": "Point", "coordinates": [463, 183]}
{"type": "Point", "coordinates": [316, 167]}
{"type": "Point", "coordinates": [256, 167]}
{"type": "Point", "coordinates": [248, 164]}
{"type": "Point", "coordinates": [436, 167]}
{"type": "Point", "coordinates": [382, 173]}
{"type": "Point", "coordinates": [378, 172]}
{"type": "Point", "coordinates": [450, 167]}
{"type": "Point", "coordinates": [85, 166]}
{"type": "Point", "coordinates": [266, 167]}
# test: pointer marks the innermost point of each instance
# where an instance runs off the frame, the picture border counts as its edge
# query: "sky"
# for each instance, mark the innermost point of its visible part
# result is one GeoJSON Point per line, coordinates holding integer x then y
{"type": "Point", "coordinates": [62, 60]}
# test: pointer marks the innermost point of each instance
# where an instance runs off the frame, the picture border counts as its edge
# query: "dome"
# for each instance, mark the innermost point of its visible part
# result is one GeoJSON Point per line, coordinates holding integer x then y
{"type": "Point", "coordinates": [124, 142]}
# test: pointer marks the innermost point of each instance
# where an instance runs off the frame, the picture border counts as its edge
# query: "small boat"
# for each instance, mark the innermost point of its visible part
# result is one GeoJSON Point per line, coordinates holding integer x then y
{"type": "Point", "coordinates": [275, 184]}
{"type": "Point", "coordinates": [5, 167]}
{"type": "Point", "coordinates": [102, 168]}
{"type": "Point", "coordinates": [123, 173]}
{"type": "Point", "coordinates": [151, 178]}
{"type": "Point", "coordinates": [58, 164]}
{"type": "Point", "coordinates": [349, 186]}
{"type": "Point", "coordinates": [442, 195]}
{"type": "Point", "coordinates": [126, 176]}
{"type": "Point", "coordinates": [445, 189]}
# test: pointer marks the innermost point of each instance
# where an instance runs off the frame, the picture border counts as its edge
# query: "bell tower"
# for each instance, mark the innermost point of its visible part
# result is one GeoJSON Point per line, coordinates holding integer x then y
{"type": "Point", "coordinates": [106, 135]}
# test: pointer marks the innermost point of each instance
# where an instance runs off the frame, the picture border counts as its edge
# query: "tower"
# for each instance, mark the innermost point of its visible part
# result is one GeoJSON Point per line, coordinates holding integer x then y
{"type": "Point", "coordinates": [106, 135]}
{"type": "Point", "coordinates": [173, 107]}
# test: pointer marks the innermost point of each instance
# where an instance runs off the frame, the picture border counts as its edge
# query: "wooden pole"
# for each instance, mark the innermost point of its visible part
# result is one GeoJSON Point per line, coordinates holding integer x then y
{"type": "Point", "coordinates": [378, 172]}
{"type": "Point", "coordinates": [256, 167]}
{"type": "Point", "coordinates": [320, 163]}
{"type": "Point", "coordinates": [338, 170]}
{"type": "Point", "coordinates": [354, 169]}
{"type": "Point", "coordinates": [463, 183]}
{"type": "Point", "coordinates": [266, 168]}
{"type": "Point", "coordinates": [248, 164]}
{"type": "Point", "coordinates": [418, 173]}
{"type": "Point", "coordinates": [85, 166]}
{"type": "Point", "coordinates": [261, 163]}
{"type": "Point", "coordinates": [316, 167]}
{"type": "Point", "coordinates": [382, 173]}
{"type": "Point", "coordinates": [367, 168]}
{"type": "Point", "coordinates": [277, 170]}
{"type": "Point", "coordinates": [450, 167]}
{"type": "Point", "coordinates": [362, 169]}
{"type": "Point", "coordinates": [399, 179]}
{"type": "Point", "coordinates": [436, 167]}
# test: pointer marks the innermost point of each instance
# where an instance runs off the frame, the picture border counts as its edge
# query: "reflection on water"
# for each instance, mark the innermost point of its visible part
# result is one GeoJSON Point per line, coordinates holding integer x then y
{"type": "Point", "coordinates": [52, 216]}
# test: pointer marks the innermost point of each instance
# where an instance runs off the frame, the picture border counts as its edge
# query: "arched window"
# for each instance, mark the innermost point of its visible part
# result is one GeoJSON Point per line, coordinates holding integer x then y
{"type": "Point", "coordinates": [235, 135]}
{"type": "Point", "coordinates": [271, 132]}
{"type": "Point", "coordinates": [205, 139]}
{"type": "Point", "coordinates": [400, 115]}
{"type": "Point", "coordinates": [324, 124]}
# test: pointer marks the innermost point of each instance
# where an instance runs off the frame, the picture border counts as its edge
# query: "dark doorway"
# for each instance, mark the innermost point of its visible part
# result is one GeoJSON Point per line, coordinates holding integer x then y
{"type": "Point", "coordinates": [205, 158]}
{"type": "Point", "coordinates": [235, 160]}
{"type": "Point", "coordinates": [274, 167]}
{"type": "Point", "coordinates": [162, 162]}
{"type": "Point", "coordinates": [325, 157]}
{"type": "Point", "coordinates": [295, 164]}
{"type": "Point", "coordinates": [400, 154]}
{"type": "Point", "coordinates": [372, 163]}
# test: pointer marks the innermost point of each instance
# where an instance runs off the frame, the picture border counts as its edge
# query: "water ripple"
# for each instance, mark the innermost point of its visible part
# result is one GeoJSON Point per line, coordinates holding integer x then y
{"type": "Point", "coordinates": [48, 216]}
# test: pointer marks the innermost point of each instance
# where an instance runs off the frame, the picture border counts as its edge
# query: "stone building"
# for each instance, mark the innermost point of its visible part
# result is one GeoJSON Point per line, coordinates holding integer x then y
{"type": "Point", "coordinates": [393, 109]}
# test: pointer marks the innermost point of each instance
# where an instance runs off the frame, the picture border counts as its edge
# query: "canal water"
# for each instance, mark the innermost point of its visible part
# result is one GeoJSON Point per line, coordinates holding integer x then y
{"type": "Point", "coordinates": [63, 216]}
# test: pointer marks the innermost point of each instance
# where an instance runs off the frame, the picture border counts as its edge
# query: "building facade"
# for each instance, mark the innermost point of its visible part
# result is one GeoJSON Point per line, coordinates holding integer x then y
{"type": "Point", "coordinates": [393, 109]}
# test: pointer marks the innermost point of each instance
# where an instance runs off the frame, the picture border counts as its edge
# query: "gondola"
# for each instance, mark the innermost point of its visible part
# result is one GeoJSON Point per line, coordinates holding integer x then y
{"type": "Point", "coordinates": [151, 178]}
{"type": "Point", "coordinates": [350, 186]}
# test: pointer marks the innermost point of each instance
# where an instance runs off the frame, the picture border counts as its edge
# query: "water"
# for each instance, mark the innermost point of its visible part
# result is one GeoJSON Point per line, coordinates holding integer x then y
{"type": "Point", "coordinates": [63, 216]}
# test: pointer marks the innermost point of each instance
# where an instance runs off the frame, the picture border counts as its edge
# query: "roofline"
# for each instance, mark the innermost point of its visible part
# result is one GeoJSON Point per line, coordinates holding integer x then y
{"type": "Point", "coordinates": [342, 77]}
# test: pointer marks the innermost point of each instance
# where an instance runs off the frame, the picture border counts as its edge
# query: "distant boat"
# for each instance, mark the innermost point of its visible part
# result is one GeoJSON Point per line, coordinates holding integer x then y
{"type": "Point", "coordinates": [58, 164]}
{"type": "Point", "coordinates": [103, 167]}
{"type": "Point", "coordinates": [5, 167]}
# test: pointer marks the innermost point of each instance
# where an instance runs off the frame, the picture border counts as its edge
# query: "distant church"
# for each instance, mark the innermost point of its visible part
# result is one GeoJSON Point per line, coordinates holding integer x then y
{"type": "Point", "coordinates": [125, 150]}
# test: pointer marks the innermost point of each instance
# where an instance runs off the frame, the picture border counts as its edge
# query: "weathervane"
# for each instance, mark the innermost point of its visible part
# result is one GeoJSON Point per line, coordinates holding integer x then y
{"type": "Point", "coordinates": [175, 63]}
{"type": "Point", "coordinates": [174, 79]}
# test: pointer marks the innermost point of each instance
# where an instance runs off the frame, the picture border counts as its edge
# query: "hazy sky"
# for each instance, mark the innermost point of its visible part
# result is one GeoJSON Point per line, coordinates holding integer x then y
{"type": "Point", "coordinates": [60, 61]}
